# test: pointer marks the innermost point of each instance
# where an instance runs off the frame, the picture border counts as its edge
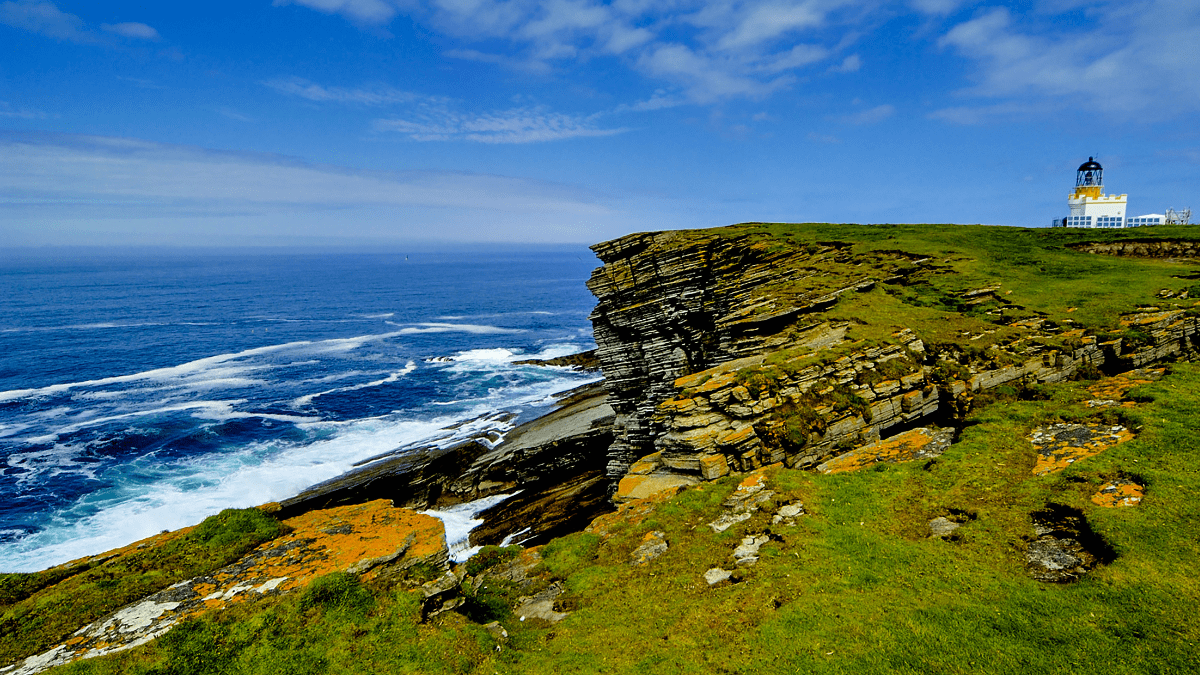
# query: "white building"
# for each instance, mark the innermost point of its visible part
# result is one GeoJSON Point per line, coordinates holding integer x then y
{"type": "Point", "coordinates": [1148, 219]}
{"type": "Point", "coordinates": [1090, 207]}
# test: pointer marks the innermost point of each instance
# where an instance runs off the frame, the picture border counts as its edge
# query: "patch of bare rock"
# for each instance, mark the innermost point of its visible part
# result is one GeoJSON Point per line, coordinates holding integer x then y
{"type": "Point", "coordinates": [749, 496]}
{"type": "Point", "coordinates": [1064, 547]}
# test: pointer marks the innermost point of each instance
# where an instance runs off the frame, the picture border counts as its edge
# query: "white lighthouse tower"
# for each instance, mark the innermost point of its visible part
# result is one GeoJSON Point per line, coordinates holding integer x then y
{"type": "Point", "coordinates": [1090, 207]}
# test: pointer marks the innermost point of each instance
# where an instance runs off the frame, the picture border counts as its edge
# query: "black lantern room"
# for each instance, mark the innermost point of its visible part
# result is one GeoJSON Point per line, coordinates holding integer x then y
{"type": "Point", "coordinates": [1090, 174]}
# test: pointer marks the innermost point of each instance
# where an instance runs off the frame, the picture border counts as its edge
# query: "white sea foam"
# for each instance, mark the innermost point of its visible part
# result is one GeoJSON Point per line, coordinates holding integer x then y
{"type": "Point", "coordinates": [206, 410]}
{"type": "Point", "coordinates": [210, 366]}
{"type": "Point", "coordinates": [498, 355]}
{"type": "Point", "coordinates": [191, 490]}
{"type": "Point", "coordinates": [500, 360]}
{"type": "Point", "coordinates": [307, 399]}
{"type": "Point", "coordinates": [460, 520]}
{"type": "Point", "coordinates": [511, 538]}
{"type": "Point", "coordinates": [183, 492]}
{"type": "Point", "coordinates": [102, 325]}
{"type": "Point", "coordinates": [7, 430]}
{"type": "Point", "coordinates": [476, 329]}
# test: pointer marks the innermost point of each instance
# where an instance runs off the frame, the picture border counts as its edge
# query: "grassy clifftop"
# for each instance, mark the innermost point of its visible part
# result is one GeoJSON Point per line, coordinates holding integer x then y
{"type": "Point", "coordinates": [1021, 273]}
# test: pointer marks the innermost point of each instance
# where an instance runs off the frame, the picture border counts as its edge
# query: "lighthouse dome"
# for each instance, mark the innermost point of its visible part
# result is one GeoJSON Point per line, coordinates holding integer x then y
{"type": "Point", "coordinates": [1091, 165]}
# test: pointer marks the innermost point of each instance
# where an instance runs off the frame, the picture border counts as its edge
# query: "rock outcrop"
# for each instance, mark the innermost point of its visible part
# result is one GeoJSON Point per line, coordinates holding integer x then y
{"type": "Point", "coordinates": [1144, 248]}
{"type": "Point", "coordinates": [556, 462]}
{"type": "Point", "coordinates": [667, 310]}
{"type": "Point", "coordinates": [721, 353]}
{"type": "Point", "coordinates": [372, 540]}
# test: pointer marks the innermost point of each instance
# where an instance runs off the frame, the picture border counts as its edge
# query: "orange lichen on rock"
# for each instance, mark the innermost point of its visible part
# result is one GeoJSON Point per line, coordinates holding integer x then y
{"type": "Point", "coordinates": [1151, 317]}
{"type": "Point", "coordinates": [1061, 445]}
{"type": "Point", "coordinates": [338, 538]}
{"type": "Point", "coordinates": [367, 539]}
{"type": "Point", "coordinates": [755, 480]}
{"type": "Point", "coordinates": [1111, 390]}
{"type": "Point", "coordinates": [915, 444]}
{"type": "Point", "coordinates": [629, 513]}
{"type": "Point", "coordinates": [1118, 493]}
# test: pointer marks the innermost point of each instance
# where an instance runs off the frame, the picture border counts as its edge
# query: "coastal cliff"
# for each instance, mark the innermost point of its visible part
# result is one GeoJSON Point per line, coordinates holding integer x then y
{"type": "Point", "coordinates": [736, 348]}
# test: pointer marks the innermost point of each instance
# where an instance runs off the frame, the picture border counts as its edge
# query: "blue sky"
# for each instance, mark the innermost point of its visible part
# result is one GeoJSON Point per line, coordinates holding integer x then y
{"type": "Point", "coordinates": [366, 122]}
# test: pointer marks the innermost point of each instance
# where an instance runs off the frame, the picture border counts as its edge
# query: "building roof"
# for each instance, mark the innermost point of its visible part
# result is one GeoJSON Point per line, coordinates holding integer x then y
{"type": "Point", "coordinates": [1091, 165]}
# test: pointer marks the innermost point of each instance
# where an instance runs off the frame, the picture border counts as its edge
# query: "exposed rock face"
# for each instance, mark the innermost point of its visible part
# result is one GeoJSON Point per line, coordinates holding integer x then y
{"type": "Point", "coordinates": [668, 311]}
{"type": "Point", "coordinates": [653, 545]}
{"type": "Point", "coordinates": [942, 527]}
{"type": "Point", "coordinates": [720, 355]}
{"type": "Point", "coordinates": [1145, 248]}
{"type": "Point", "coordinates": [556, 461]}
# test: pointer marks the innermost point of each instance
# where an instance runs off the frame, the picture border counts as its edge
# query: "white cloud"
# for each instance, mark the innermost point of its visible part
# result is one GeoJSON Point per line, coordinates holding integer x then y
{"type": "Point", "coordinates": [983, 114]}
{"type": "Point", "coordinates": [69, 186]}
{"type": "Point", "coordinates": [706, 78]}
{"type": "Point", "coordinates": [430, 118]}
{"type": "Point", "coordinates": [7, 110]}
{"type": "Point", "coordinates": [45, 18]}
{"type": "Point", "coordinates": [233, 114]}
{"type": "Point", "coordinates": [800, 55]}
{"type": "Point", "coordinates": [38, 16]}
{"type": "Point", "coordinates": [135, 30]}
{"type": "Point", "coordinates": [520, 125]}
{"type": "Point", "coordinates": [823, 138]}
{"type": "Point", "coordinates": [1128, 58]}
{"type": "Point", "coordinates": [871, 116]}
{"type": "Point", "coordinates": [379, 95]}
{"type": "Point", "coordinates": [707, 50]}
{"type": "Point", "coordinates": [660, 100]}
{"type": "Point", "coordinates": [375, 12]}
{"type": "Point", "coordinates": [97, 167]}
{"type": "Point", "coordinates": [850, 64]}
{"type": "Point", "coordinates": [936, 6]}
{"type": "Point", "coordinates": [524, 64]}
{"type": "Point", "coordinates": [1109, 55]}
{"type": "Point", "coordinates": [768, 22]}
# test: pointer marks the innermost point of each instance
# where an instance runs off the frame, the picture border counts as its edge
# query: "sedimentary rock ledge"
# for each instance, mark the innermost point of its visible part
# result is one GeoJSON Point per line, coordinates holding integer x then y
{"type": "Point", "coordinates": [555, 461]}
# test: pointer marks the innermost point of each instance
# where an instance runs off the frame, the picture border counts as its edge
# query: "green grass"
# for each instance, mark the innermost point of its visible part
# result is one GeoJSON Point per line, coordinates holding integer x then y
{"type": "Point", "coordinates": [336, 626]}
{"type": "Point", "coordinates": [44, 608]}
{"type": "Point", "coordinates": [1044, 275]}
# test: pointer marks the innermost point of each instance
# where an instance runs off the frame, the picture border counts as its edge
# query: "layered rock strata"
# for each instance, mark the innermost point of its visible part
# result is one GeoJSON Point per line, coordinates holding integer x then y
{"type": "Point", "coordinates": [555, 463]}
{"type": "Point", "coordinates": [720, 355]}
{"type": "Point", "coordinates": [665, 311]}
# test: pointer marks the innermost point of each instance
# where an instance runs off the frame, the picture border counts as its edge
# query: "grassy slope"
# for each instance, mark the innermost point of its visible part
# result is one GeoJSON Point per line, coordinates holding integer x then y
{"type": "Point", "coordinates": [39, 610]}
{"type": "Point", "coordinates": [855, 587]}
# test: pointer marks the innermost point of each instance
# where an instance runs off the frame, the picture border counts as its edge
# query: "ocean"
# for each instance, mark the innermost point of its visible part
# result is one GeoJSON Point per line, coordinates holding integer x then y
{"type": "Point", "coordinates": [143, 390]}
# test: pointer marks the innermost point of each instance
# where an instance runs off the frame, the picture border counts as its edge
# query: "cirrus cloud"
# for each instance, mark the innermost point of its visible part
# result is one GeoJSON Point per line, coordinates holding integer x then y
{"type": "Point", "coordinates": [1128, 58]}
{"type": "Point", "coordinates": [707, 51]}
{"type": "Point", "coordinates": [139, 31]}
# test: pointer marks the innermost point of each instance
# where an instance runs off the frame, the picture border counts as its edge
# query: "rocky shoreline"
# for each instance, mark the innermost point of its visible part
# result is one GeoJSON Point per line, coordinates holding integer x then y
{"type": "Point", "coordinates": [555, 463]}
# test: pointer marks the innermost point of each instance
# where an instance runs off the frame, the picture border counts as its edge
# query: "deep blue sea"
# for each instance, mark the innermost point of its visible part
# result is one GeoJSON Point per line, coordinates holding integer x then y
{"type": "Point", "coordinates": [144, 390]}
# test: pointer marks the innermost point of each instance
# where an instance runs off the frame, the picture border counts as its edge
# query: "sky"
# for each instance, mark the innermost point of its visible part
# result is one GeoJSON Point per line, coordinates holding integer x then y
{"type": "Point", "coordinates": [387, 122]}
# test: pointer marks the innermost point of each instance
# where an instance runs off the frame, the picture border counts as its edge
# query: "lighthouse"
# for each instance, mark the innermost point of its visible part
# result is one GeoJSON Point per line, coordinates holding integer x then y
{"type": "Point", "coordinates": [1090, 207]}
